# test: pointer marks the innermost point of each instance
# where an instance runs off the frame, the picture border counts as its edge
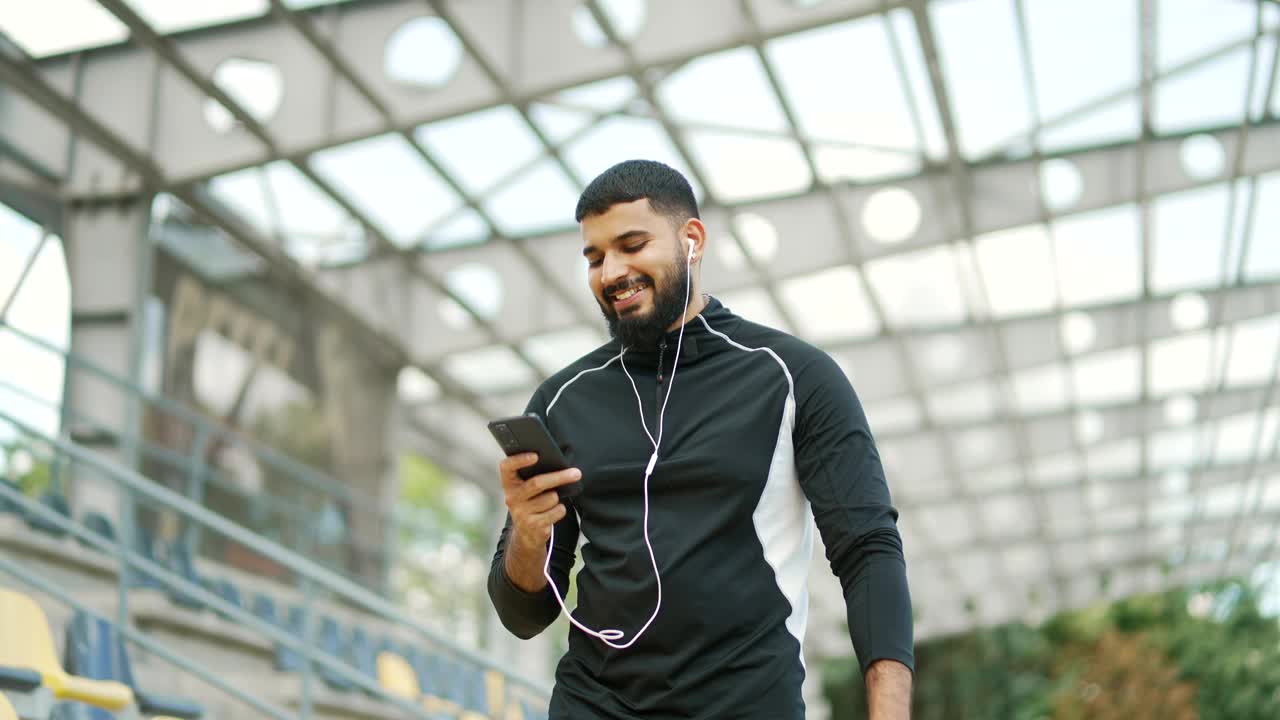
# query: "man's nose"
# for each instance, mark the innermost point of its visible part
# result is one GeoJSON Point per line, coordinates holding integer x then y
{"type": "Point", "coordinates": [613, 270]}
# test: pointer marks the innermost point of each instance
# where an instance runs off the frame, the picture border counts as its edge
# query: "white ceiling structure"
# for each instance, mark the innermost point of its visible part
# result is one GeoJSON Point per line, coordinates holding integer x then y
{"type": "Point", "coordinates": [1041, 236]}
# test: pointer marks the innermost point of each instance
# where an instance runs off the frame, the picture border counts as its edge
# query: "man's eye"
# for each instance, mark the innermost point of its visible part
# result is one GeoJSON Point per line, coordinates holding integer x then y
{"type": "Point", "coordinates": [634, 248]}
{"type": "Point", "coordinates": [594, 262]}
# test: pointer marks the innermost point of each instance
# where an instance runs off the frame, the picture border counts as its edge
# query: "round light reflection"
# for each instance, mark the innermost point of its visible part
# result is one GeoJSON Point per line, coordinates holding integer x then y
{"type": "Point", "coordinates": [1078, 332]}
{"type": "Point", "coordinates": [1189, 311]}
{"type": "Point", "coordinates": [891, 215]}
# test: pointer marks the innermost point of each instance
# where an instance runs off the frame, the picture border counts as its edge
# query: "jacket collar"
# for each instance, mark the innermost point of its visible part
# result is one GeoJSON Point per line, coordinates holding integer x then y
{"type": "Point", "coordinates": [698, 340]}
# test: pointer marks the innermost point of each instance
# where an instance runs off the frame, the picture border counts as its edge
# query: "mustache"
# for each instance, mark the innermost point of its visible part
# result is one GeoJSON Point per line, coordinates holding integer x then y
{"type": "Point", "coordinates": [627, 284]}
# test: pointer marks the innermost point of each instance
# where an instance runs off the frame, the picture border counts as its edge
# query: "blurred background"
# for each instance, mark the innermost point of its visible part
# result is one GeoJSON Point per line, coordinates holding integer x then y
{"type": "Point", "coordinates": [268, 266]}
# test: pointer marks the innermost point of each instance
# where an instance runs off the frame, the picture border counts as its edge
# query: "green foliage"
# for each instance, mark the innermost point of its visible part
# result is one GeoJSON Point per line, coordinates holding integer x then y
{"type": "Point", "coordinates": [1145, 656]}
{"type": "Point", "coordinates": [34, 480]}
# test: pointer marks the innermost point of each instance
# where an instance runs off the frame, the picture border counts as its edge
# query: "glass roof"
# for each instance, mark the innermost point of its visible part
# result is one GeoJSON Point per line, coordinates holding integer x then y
{"type": "Point", "coordinates": [1040, 305]}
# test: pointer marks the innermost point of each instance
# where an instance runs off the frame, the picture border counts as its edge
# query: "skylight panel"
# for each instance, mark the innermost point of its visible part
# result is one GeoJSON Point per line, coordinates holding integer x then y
{"type": "Point", "coordinates": [1017, 267]}
{"type": "Point", "coordinates": [1041, 389]}
{"type": "Point", "coordinates": [1188, 29]}
{"type": "Point", "coordinates": [1189, 229]}
{"type": "Point", "coordinates": [978, 45]}
{"type": "Point", "coordinates": [606, 95]}
{"type": "Point", "coordinates": [1066, 78]}
{"type": "Point", "coordinates": [893, 416]}
{"type": "Point", "coordinates": [466, 227]}
{"type": "Point", "coordinates": [1234, 437]}
{"type": "Point", "coordinates": [166, 16]}
{"type": "Point", "coordinates": [1209, 96]}
{"type": "Point", "coordinates": [829, 305]}
{"type": "Point", "coordinates": [303, 209]}
{"type": "Point", "coordinates": [540, 199]}
{"type": "Point", "coordinates": [52, 27]}
{"type": "Point", "coordinates": [969, 402]}
{"type": "Point", "coordinates": [754, 305]}
{"type": "Point", "coordinates": [1121, 457]}
{"type": "Point", "coordinates": [245, 193]}
{"type": "Point", "coordinates": [489, 370]}
{"type": "Point", "coordinates": [832, 103]}
{"type": "Point", "coordinates": [841, 163]}
{"type": "Point", "coordinates": [390, 183]}
{"type": "Point", "coordinates": [553, 351]}
{"type": "Point", "coordinates": [1113, 122]}
{"type": "Point", "coordinates": [982, 446]}
{"type": "Point", "coordinates": [925, 104]}
{"type": "Point", "coordinates": [918, 289]}
{"type": "Point", "coordinates": [727, 89]}
{"type": "Point", "coordinates": [1172, 448]}
{"type": "Point", "coordinates": [1253, 351]}
{"type": "Point", "coordinates": [1107, 377]}
{"type": "Point", "coordinates": [481, 148]}
{"type": "Point", "coordinates": [1099, 256]}
{"type": "Point", "coordinates": [1179, 363]}
{"type": "Point", "coordinates": [1009, 515]}
{"type": "Point", "coordinates": [1263, 259]}
{"type": "Point", "coordinates": [624, 138]}
{"type": "Point", "coordinates": [745, 167]}
{"type": "Point", "coordinates": [558, 124]}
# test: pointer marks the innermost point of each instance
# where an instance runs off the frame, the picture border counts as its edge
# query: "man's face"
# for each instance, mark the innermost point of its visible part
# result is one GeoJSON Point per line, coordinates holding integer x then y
{"type": "Point", "coordinates": [636, 271]}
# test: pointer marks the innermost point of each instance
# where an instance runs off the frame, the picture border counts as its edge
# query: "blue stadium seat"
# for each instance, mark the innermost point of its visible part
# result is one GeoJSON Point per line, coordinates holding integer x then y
{"type": "Point", "coordinates": [329, 641]}
{"type": "Point", "coordinates": [98, 524]}
{"type": "Point", "coordinates": [150, 548]}
{"type": "Point", "coordinates": [224, 589]}
{"type": "Point", "coordinates": [264, 607]}
{"type": "Point", "coordinates": [363, 654]}
{"type": "Point", "coordinates": [182, 564]}
{"type": "Point", "coordinates": [7, 505]}
{"type": "Point", "coordinates": [56, 502]}
{"type": "Point", "coordinates": [94, 649]}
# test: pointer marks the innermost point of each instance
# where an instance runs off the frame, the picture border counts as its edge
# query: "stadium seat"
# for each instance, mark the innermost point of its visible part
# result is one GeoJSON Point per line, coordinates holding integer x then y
{"type": "Point", "coordinates": [25, 690]}
{"type": "Point", "coordinates": [98, 524]}
{"type": "Point", "coordinates": [396, 676]}
{"type": "Point", "coordinates": [56, 502]}
{"type": "Point", "coordinates": [28, 643]}
{"type": "Point", "coordinates": [495, 690]}
{"type": "Point", "coordinates": [7, 505]}
{"type": "Point", "coordinates": [182, 564]}
{"type": "Point", "coordinates": [431, 682]}
{"type": "Point", "coordinates": [362, 653]}
{"type": "Point", "coordinates": [224, 589]}
{"type": "Point", "coordinates": [329, 641]}
{"type": "Point", "coordinates": [94, 649]}
{"type": "Point", "coordinates": [152, 549]}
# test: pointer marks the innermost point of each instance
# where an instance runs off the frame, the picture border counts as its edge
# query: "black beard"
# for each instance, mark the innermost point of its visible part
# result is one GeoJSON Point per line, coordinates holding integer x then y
{"type": "Point", "coordinates": [643, 332]}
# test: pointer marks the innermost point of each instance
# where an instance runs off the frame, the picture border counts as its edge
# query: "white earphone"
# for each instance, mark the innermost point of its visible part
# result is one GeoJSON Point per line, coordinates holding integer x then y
{"type": "Point", "coordinates": [609, 635]}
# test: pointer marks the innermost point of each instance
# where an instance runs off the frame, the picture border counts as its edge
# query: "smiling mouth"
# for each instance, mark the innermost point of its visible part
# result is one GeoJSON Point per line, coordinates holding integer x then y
{"type": "Point", "coordinates": [628, 296]}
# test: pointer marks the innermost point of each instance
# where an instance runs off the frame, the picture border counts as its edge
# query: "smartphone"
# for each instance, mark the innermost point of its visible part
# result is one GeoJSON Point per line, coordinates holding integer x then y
{"type": "Point", "coordinates": [527, 433]}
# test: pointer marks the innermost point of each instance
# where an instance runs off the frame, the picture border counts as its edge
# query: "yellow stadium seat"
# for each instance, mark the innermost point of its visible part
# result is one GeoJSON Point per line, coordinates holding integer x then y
{"type": "Point", "coordinates": [29, 644]}
{"type": "Point", "coordinates": [6, 710]}
{"type": "Point", "coordinates": [495, 689]}
{"type": "Point", "coordinates": [396, 676]}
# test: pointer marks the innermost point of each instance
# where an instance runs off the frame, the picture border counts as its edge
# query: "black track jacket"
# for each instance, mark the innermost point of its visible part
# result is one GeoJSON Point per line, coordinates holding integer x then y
{"type": "Point", "coordinates": [763, 436]}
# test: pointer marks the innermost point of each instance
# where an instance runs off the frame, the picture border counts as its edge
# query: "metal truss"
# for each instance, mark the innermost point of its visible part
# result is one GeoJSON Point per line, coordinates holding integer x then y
{"type": "Point", "coordinates": [124, 121]}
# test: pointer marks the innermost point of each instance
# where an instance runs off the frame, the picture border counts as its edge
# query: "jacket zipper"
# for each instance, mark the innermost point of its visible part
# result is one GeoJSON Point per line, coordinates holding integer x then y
{"type": "Point", "coordinates": [662, 348]}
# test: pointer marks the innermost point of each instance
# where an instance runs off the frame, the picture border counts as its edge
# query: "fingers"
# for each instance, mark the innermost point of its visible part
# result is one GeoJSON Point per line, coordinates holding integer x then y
{"type": "Point", "coordinates": [534, 527]}
{"type": "Point", "coordinates": [508, 467]}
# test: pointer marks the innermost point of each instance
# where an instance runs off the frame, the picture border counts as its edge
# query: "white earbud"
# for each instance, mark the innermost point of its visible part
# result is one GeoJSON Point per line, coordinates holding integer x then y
{"type": "Point", "coordinates": [691, 253]}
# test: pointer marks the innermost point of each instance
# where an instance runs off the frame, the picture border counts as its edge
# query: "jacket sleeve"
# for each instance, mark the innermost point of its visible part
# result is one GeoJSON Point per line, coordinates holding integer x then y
{"type": "Point", "coordinates": [526, 614]}
{"type": "Point", "coordinates": [840, 472]}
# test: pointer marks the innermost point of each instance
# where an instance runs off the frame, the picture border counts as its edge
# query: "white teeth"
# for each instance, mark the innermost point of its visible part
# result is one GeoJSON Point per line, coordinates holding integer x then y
{"type": "Point", "coordinates": [628, 293]}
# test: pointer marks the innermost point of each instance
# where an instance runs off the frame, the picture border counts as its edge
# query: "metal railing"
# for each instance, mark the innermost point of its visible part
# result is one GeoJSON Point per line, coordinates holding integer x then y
{"type": "Point", "coordinates": [313, 580]}
{"type": "Point", "coordinates": [316, 486]}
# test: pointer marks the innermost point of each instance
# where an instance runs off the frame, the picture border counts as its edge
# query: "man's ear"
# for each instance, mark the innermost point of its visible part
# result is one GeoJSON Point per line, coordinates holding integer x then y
{"type": "Point", "coordinates": [695, 233]}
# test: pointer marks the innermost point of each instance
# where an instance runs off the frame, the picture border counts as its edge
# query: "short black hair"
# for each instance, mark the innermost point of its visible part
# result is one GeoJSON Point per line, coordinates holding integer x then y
{"type": "Point", "coordinates": [667, 190]}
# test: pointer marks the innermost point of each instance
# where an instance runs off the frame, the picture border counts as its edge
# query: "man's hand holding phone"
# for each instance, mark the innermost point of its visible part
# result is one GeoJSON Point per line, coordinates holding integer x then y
{"type": "Point", "coordinates": [535, 506]}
